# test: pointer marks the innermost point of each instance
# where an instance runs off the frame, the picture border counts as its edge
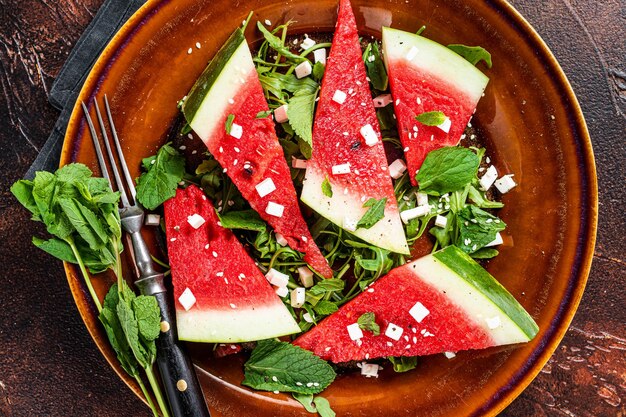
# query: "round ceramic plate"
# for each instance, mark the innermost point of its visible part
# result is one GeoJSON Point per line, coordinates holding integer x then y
{"type": "Point", "coordinates": [532, 125]}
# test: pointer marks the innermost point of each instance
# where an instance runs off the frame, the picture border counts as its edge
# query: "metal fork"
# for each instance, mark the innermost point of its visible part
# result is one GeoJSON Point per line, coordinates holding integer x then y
{"type": "Point", "coordinates": [179, 379]}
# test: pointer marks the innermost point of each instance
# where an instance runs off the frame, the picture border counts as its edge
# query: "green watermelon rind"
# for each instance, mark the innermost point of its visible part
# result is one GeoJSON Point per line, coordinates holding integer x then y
{"type": "Point", "coordinates": [476, 276]}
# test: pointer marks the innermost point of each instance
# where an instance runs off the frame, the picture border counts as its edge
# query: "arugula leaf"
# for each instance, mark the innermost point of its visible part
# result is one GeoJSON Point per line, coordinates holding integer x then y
{"type": "Point", "coordinates": [374, 214]}
{"type": "Point", "coordinates": [281, 366]}
{"type": "Point", "coordinates": [327, 285]}
{"type": "Point", "coordinates": [477, 228]}
{"type": "Point", "coordinates": [159, 183]}
{"type": "Point", "coordinates": [325, 307]}
{"type": "Point", "coordinates": [327, 189]}
{"type": "Point", "coordinates": [277, 44]}
{"type": "Point", "coordinates": [367, 321]}
{"type": "Point", "coordinates": [479, 198]}
{"type": "Point", "coordinates": [375, 67]}
{"type": "Point", "coordinates": [243, 220]}
{"type": "Point", "coordinates": [403, 363]}
{"type": "Point", "coordinates": [300, 112]}
{"type": "Point", "coordinates": [431, 118]}
{"type": "Point", "coordinates": [473, 54]}
{"type": "Point", "coordinates": [262, 115]}
{"type": "Point", "coordinates": [447, 169]}
{"type": "Point", "coordinates": [228, 125]}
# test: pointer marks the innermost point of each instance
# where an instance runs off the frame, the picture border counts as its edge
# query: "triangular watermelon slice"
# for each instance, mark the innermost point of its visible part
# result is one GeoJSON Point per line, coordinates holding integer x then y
{"type": "Point", "coordinates": [444, 302]}
{"type": "Point", "coordinates": [246, 146]}
{"type": "Point", "coordinates": [424, 77]}
{"type": "Point", "coordinates": [347, 146]}
{"type": "Point", "coordinates": [221, 296]}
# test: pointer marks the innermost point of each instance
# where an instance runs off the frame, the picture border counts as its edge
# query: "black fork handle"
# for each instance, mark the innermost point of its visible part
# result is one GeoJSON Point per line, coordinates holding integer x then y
{"type": "Point", "coordinates": [181, 383]}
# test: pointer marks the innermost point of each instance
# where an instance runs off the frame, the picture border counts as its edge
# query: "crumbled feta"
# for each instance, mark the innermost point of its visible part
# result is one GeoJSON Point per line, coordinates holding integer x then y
{"type": "Point", "coordinates": [303, 69]}
{"type": "Point", "coordinates": [413, 213]}
{"type": "Point", "coordinates": [274, 209]}
{"type": "Point", "coordinates": [187, 299]}
{"type": "Point", "coordinates": [319, 55]}
{"type": "Point", "coordinates": [354, 331]}
{"type": "Point", "coordinates": [277, 278]}
{"type": "Point", "coordinates": [397, 168]}
{"type": "Point", "coordinates": [307, 43]}
{"type": "Point", "coordinates": [505, 184]}
{"type": "Point", "coordinates": [298, 296]}
{"type": "Point", "coordinates": [349, 223]}
{"type": "Point", "coordinates": [394, 332]}
{"type": "Point", "coordinates": [341, 169]}
{"type": "Point", "coordinates": [298, 163]}
{"type": "Point", "coordinates": [422, 199]}
{"type": "Point", "coordinates": [488, 178]}
{"type": "Point", "coordinates": [493, 322]}
{"type": "Point", "coordinates": [419, 312]}
{"type": "Point", "coordinates": [236, 131]}
{"type": "Point", "coordinates": [195, 220]}
{"type": "Point", "coordinates": [265, 187]}
{"type": "Point", "coordinates": [281, 291]}
{"type": "Point", "coordinates": [280, 114]}
{"type": "Point", "coordinates": [449, 355]}
{"type": "Point", "coordinates": [412, 53]}
{"type": "Point", "coordinates": [280, 239]}
{"type": "Point", "coordinates": [497, 241]}
{"type": "Point", "coordinates": [153, 220]}
{"type": "Point", "coordinates": [369, 370]}
{"type": "Point", "coordinates": [441, 221]}
{"type": "Point", "coordinates": [370, 136]}
{"type": "Point", "coordinates": [445, 126]}
{"type": "Point", "coordinates": [306, 276]}
{"type": "Point", "coordinates": [382, 100]}
{"type": "Point", "coordinates": [339, 96]}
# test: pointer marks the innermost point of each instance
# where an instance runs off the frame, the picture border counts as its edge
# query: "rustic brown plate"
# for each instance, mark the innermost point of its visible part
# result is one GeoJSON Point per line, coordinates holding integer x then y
{"type": "Point", "coordinates": [529, 117]}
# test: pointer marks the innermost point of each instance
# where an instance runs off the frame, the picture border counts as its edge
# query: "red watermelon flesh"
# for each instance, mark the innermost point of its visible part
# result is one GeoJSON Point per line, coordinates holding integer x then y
{"type": "Point", "coordinates": [257, 155]}
{"type": "Point", "coordinates": [233, 300]}
{"type": "Point", "coordinates": [465, 310]}
{"type": "Point", "coordinates": [424, 77]}
{"type": "Point", "coordinates": [337, 140]}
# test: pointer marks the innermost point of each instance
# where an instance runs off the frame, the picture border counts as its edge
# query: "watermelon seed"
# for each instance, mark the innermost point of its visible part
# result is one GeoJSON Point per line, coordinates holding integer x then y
{"type": "Point", "coordinates": [355, 145]}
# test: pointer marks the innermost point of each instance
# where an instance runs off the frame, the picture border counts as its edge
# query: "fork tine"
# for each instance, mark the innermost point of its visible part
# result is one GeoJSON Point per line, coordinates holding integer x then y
{"type": "Point", "coordinates": [107, 145]}
{"type": "Point", "coordinates": [96, 145]}
{"type": "Point", "coordinates": [120, 154]}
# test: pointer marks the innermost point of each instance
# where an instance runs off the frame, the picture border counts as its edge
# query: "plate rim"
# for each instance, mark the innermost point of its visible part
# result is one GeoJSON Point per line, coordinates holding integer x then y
{"type": "Point", "coordinates": [521, 379]}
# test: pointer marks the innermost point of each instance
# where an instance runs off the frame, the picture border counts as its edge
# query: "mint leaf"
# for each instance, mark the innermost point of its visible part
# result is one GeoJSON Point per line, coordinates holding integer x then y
{"type": "Point", "coordinates": [160, 182]}
{"type": "Point", "coordinates": [323, 407]}
{"type": "Point", "coordinates": [306, 400]}
{"type": "Point", "coordinates": [485, 253]}
{"type": "Point", "coordinates": [375, 67]}
{"type": "Point", "coordinates": [473, 54]}
{"type": "Point", "coordinates": [374, 214]}
{"type": "Point", "coordinates": [277, 44]}
{"type": "Point", "coordinates": [447, 169]}
{"type": "Point", "coordinates": [262, 115]}
{"type": "Point", "coordinates": [243, 220]}
{"type": "Point", "coordinates": [148, 317]}
{"type": "Point", "coordinates": [431, 118]}
{"type": "Point", "coordinates": [300, 112]}
{"type": "Point", "coordinates": [318, 71]}
{"type": "Point", "coordinates": [327, 285]}
{"type": "Point", "coordinates": [57, 248]}
{"type": "Point", "coordinates": [23, 191]}
{"type": "Point", "coordinates": [281, 366]}
{"type": "Point", "coordinates": [327, 189]}
{"type": "Point", "coordinates": [477, 228]}
{"type": "Point", "coordinates": [403, 363]}
{"type": "Point", "coordinates": [367, 321]}
{"type": "Point", "coordinates": [228, 125]}
{"type": "Point", "coordinates": [325, 307]}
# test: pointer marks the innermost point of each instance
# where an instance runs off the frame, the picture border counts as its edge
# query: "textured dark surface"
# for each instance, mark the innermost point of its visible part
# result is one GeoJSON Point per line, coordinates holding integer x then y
{"type": "Point", "coordinates": [49, 366]}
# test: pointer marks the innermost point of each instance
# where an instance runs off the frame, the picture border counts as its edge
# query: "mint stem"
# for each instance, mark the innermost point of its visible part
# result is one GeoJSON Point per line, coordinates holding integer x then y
{"type": "Point", "coordinates": [86, 275]}
{"type": "Point", "coordinates": [144, 390]}
{"type": "Point", "coordinates": [156, 389]}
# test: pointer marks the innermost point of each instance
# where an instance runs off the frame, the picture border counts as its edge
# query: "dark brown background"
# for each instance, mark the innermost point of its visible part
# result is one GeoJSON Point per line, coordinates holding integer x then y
{"type": "Point", "coordinates": [49, 366]}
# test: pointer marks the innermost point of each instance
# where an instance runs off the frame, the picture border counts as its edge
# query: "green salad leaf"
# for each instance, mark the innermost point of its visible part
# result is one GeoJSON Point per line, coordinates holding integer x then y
{"type": "Point", "coordinates": [447, 169]}
{"type": "Point", "coordinates": [160, 181]}
{"type": "Point", "coordinates": [375, 67]}
{"type": "Point", "coordinates": [431, 118]}
{"type": "Point", "coordinates": [477, 228]}
{"type": "Point", "coordinates": [327, 189]}
{"type": "Point", "coordinates": [374, 214]}
{"type": "Point", "coordinates": [243, 220]}
{"type": "Point", "coordinates": [473, 54]}
{"type": "Point", "coordinates": [403, 363]}
{"type": "Point", "coordinates": [367, 321]}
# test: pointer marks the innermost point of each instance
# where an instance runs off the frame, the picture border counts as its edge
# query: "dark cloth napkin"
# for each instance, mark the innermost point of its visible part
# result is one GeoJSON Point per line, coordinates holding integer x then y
{"type": "Point", "coordinates": [109, 19]}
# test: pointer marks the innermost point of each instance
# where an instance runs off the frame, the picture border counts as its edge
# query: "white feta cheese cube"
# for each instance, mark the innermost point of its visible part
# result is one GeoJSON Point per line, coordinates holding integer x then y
{"type": "Point", "coordinates": [281, 291]}
{"type": "Point", "coordinates": [493, 322]}
{"type": "Point", "coordinates": [397, 168]}
{"type": "Point", "coordinates": [412, 53]}
{"type": "Point", "coordinates": [195, 220]}
{"type": "Point", "coordinates": [505, 184]}
{"type": "Point", "coordinates": [280, 114]}
{"type": "Point", "coordinates": [441, 221]}
{"type": "Point", "coordinates": [187, 299]}
{"type": "Point", "coordinates": [488, 178]}
{"type": "Point", "coordinates": [445, 126]}
{"type": "Point", "coordinates": [449, 355]}
{"type": "Point", "coordinates": [413, 213]}
{"type": "Point", "coordinates": [236, 131]}
{"type": "Point", "coordinates": [298, 163]}
{"type": "Point", "coordinates": [298, 296]}
{"type": "Point", "coordinates": [382, 100]}
{"type": "Point", "coordinates": [274, 209]}
{"type": "Point", "coordinates": [370, 136]}
{"type": "Point", "coordinates": [369, 370]}
{"type": "Point", "coordinates": [394, 332]}
{"type": "Point", "coordinates": [354, 331]}
{"type": "Point", "coordinates": [303, 69]}
{"type": "Point", "coordinates": [153, 220]}
{"type": "Point", "coordinates": [307, 43]}
{"type": "Point", "coordinates": [339, 96]}
{"type": "Point", "coordinates": [349, 223]}
{"type": "Point", "coordinates": [422, 199]}
{"type": "Point", "coordinates": [341, 169]}
{"type": "Point", "coordinates": [419, 312]}
{"type": "Point", "coordinates": [319, 55]}
{"type": "Point", "coordinates": [306, 276]}
{"type": "Point", "coordinates": [280, 239]}
{"type": "Point", "coordinates": [277, 278]}
{"type": "Point", "coordinates": [497, 241]}
{"type": "Point", "coordinates": [307, 317]}
{"type": "Point", "coordinates": [265, 187]}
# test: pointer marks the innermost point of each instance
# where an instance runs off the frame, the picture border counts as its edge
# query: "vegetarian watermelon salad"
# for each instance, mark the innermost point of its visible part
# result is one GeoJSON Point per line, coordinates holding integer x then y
{"type": "Point", "coordinates": [328, 207]}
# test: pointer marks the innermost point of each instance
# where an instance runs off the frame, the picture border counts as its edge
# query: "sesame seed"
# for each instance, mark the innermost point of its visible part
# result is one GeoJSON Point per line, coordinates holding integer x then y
{"type": "Point", "coordinates": [189, 51]}
{"type": "Point", "coordinates": [198, 45]}
{"type": "Point", "coordinates": [232, 305]}
{"type": "Point", "coordinates": [206, 246]}
{"type": "Point", "coordinates": [268, 22]}
{"type": "Point", "coordinates": [214, 254]}
{"type": "Point", "coordinates": [173, 239]}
